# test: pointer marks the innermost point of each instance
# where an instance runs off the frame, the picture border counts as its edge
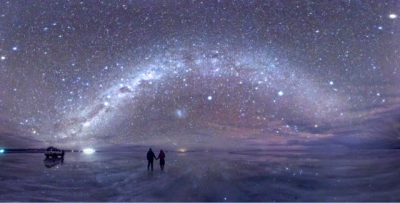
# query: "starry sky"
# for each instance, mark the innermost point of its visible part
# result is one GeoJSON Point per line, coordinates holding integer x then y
{"type": "Point", "coordinates": [200, 73]}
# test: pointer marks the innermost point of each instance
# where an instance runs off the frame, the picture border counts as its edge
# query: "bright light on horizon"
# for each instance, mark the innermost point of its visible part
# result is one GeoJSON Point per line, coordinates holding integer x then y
{"type": "Point", "coordinates": [88, 151]}
{"type": "Point", "coordinates": [2, 151]}
{"type": "Point", "coordinates": [182, 150]}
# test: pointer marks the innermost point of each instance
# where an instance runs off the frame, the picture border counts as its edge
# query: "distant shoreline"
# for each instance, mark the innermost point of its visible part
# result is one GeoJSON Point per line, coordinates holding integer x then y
{"type": "Point", "coordinates": [9, 151]}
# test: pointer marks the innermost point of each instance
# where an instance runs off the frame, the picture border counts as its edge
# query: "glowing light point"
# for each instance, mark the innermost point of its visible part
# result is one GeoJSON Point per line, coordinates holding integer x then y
{"type": "Point", "coordinates": [392, 16]}
{"type": "Point", "coordinates": [86, 124]}
{"type": "Point", "coordinates": [88, 151]}
{"type": "Point", "coordinates": [180, 113]}
{"type": "Point", "coordinates": [15, 48]}
{"type": "Point", "coordinates": [280, 93]}
{"type": "Point", "coordinates": [209, 98]}
{"type": "Point", "coordinates": [331, 83]}
{"type": "Point", "coordinates": [106, 104]}
{"type": "Point", "coordinates": [2, 58]}
{"type": "Point", "coordinates": [182, 150]}
{"type": "Point", "coordinates": [2, 151]}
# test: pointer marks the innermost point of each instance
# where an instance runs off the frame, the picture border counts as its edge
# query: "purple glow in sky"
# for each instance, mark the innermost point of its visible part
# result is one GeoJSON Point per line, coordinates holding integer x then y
{"type": "Point", "coordinates": [199, 75]}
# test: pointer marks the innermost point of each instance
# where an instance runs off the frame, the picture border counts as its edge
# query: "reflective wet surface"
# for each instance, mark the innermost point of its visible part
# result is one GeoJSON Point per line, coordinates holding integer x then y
{"type": "Point", "coordinates": [351, 175]}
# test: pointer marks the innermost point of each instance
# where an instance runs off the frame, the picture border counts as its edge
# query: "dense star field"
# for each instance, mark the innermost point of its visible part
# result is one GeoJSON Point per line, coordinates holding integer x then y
{"type": "Point", "coordinates": [202, 75]}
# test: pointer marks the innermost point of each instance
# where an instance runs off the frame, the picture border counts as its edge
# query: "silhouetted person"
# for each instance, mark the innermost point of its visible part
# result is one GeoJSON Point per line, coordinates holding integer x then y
{"type": "Point", "coordinates": [161, 156]}
{"type": "Point", "coordinates": [150, 158]}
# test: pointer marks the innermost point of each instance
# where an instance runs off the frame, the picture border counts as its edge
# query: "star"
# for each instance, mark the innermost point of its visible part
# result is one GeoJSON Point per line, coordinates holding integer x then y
{"type": "Point", "coordinates": [180, 113]}
{"type": "Point", "coordinates": [392, 16]}
{"type": "Point", "coordinates": [229, 83]}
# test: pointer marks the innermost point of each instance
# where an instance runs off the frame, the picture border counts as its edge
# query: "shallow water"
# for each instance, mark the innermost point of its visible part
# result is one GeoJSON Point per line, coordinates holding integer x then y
{"type": "Point", "coordinates": [351, 175]}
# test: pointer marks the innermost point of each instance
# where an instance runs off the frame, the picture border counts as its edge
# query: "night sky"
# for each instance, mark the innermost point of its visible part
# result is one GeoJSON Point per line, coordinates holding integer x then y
{"type": "Point", "coordinates": [198, 74]}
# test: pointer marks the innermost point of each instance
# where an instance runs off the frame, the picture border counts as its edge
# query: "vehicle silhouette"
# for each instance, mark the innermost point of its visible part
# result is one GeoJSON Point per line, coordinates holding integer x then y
{"type": "Point", "coordinates": [52, 152]}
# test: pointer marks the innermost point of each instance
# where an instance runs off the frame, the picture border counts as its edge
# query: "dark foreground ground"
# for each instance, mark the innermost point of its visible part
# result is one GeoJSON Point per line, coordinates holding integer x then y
{"type": "Point", "coordinates": [351, 175]}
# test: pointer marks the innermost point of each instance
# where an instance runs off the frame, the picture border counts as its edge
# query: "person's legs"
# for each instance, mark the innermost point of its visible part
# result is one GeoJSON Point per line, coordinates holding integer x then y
{"type": "Point", "coordinates": [148, 164]}
{"type": "Point", "coordinates": [151, 163]}
{"type": "Point", "coordinates": [162, 163]}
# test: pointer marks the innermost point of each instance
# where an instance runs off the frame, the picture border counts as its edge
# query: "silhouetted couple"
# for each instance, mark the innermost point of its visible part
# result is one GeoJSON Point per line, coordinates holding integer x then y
{"type": "Point", "coordinates": [151, 156]}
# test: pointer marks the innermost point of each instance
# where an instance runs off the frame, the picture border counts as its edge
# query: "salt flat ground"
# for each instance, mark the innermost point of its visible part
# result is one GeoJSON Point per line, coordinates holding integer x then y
{"type": "Point", "coordinates": [214, 175]}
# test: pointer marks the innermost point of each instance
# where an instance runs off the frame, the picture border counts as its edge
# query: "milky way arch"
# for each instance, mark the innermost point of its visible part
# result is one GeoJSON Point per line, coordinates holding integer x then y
{"type": "Point", "coordinates": [219, 84]}
{"type": "Point", "coordinates": [134, 72]}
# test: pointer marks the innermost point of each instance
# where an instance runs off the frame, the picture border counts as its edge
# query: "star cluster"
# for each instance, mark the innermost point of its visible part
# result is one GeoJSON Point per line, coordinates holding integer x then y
{"type": "Point", "coordinates": [197, 72]}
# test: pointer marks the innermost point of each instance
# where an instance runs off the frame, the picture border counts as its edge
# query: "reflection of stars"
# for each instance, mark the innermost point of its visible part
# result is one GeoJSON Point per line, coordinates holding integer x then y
{"type": "Point", "coordinates": [392, 16]}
